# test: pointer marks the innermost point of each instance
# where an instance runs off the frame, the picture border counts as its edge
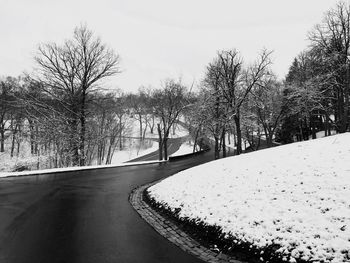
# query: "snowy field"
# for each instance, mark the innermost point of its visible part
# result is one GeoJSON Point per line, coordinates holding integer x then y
{"type": "Point", "coordinates": [295, 196]}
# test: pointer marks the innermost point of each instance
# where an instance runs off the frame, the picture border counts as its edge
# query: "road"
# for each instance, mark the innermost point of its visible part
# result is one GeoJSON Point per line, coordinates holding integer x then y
{"type": "Point", "coordinates": [84, 216]}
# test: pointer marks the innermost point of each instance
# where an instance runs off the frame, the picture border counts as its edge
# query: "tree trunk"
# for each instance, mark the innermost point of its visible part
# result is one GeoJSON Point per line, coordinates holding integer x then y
{"type": "Point", "coordinates": [152, 126]}
{"type": "Point", "coordinates": [141, 129]}
{"type": "Point", "coordinates": [82, 129]}
{"type": "Point", "coordinates": [2, 141]}
{"type": "Point", "coordinates": [216, 148]}
{"type": "Point", "coordinates": [74, 145]}
{"type": "Point", "coordinates": [160, 142]}
{"type": "Point", "coordinates": [307, 129]}
{"type": "Point", "coordinates": [195, 140]}
{"type": "Point", "coordinates": [223, 143]}
{"type": "Point", "coordinates": [259, 139]}
{"type": "Point", "coordinates": [345, 123]}
{"type": "Point", "coordinates": [13, 143]}
{"type": "Point", "coordinates": [270, 138]}
{"type": "Point", "coordinates": [36, 143]}
{"type": "Point", "coordinates": [301, 131]}
{"type": "Point", "coordinates": [238, 133]}
{"type": "Point", "coordinates": [325, 125]}
{"type": "Point", "coordinates": [120, 135]}
{"type": "Point", "coordinates": [32, 138]}
{"type": "Point", "coordinates": [18, 147]}
{"type": "Point", "coordinates": [165, 145]}
{"type": "Point", "coordinates": [234, 139]}
{"type": "Point", "coordinates": [144, 132]}
{"type": "Point", "coordinates": [312, 126]}
{"type": "Point", "coordinates": [109, 151]}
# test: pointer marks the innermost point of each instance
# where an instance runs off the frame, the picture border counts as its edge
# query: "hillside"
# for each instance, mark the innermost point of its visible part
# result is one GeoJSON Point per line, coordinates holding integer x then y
{"type": "Point", "coordinates": [294, 198]}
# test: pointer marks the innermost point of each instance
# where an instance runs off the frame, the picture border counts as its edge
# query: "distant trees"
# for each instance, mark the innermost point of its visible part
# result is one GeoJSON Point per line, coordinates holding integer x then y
{"type": "Point", "coordinates": [238, 83]}
{"type": "Point", "coordinates": [141, 109]}
{"type": "Point", "coordinates": [68, 73]}
{"type": "Point", "coordinates": [213, 112]}
{"type": "Point", "coordinates": [266, 103]}
{"type": "Point", "coordinates": [168, 103]}
{"type": "Point", "coordinates": [331, 41]}
{"type": "Point", "coordinates": [5, 98]}
{"type": "Point", "coordinates": [227, 87]}
{"type": "Point", "coordinates": [318, 82]}
{"type": "Point", "coordinates": [107, 127]}
{"type": "Point", "coordinates": [59, 110]}
{"type": "Point", "coordinates": [10, 115]}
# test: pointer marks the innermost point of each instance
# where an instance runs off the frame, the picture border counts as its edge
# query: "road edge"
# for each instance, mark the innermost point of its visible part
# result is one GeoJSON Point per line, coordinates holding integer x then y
{"type": "Point", "coordinates": [171, 231]}
{"type": "Point", "coordinates": [73, 169]}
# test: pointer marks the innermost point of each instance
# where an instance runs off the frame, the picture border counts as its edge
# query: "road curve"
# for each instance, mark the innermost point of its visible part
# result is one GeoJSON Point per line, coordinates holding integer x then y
{"type": "Point", "coordinates": [84, 216]}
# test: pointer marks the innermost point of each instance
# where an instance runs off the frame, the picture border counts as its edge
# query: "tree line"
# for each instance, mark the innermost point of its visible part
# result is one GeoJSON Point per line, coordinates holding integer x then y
{"type": "Point", "coordinates": [63, 111]}
{"type": "Point", "coordinates": [247, 102]}
{"type": "Point", "coordinates": [318, 80]}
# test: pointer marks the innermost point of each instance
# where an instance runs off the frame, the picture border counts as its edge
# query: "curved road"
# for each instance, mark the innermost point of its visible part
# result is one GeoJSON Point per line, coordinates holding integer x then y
{"type": "Point", "coordinates": [84, 216]}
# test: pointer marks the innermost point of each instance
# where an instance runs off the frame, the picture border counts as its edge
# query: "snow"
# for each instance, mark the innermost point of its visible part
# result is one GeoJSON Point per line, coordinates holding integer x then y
{"type": "Point", "coordinates": [133, 148]}
{"type": "Point", "coordinates": [133, 151]}
{"type": "Point", "coordinates": [321, 134]}
{"type": "Point", "coordinates": [296, 196]}
{"type": "Point", "coordinates": [245, 145]}
{"type": "Point", "coordinates": [180, 131]}
{"type": "Point", "coordinates": [25, 158]}
{"type": "Point", "coordinates": [185, 148]}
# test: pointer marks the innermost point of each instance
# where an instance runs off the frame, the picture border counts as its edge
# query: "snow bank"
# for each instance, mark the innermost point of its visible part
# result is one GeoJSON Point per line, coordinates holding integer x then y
{"type": "Point", "coordinates": [296, 196]}
{"type": "Point", "coordinates": [185, 148]}
{"type": "Point", "coordinates": [133, 151]}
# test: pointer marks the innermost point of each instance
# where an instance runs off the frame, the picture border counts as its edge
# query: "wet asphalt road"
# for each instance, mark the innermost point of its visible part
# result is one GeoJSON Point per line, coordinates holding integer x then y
{"type": "Point", "coordinates": [84, 216]}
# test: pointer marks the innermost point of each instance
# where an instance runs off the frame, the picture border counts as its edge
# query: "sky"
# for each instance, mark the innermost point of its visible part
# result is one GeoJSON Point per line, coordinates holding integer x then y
{"type": "Point", "coordinates": [159, 39]}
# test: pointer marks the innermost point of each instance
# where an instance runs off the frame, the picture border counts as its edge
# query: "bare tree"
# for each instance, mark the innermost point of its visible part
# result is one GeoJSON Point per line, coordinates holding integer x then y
{"type": "Point", "coordinates": [10, 113]}
{"type": "Point", "coordinates": [238, 82]}
{"type": "Point", "coordinates": [169, 102]}
{"type": "Point", "coordinates": [69, 72]}
{"type": "Point", "coordinates": [267, 104]}
{"type": "Point", "coordinates": [213, 108]}
{"type": "Point", "coordinates": [331, 39]}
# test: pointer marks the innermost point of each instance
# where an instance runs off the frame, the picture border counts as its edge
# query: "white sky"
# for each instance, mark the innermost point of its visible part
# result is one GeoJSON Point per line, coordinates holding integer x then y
{"type": "Point", "coordinates": [157, 39]}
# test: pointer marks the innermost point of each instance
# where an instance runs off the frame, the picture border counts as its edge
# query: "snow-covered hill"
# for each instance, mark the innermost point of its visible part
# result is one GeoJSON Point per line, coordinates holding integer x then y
{"type": "Point", "coordinates": [296, 196]}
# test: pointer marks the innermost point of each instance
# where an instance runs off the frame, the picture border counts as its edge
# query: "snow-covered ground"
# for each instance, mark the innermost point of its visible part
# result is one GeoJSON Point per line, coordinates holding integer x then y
{"type": "Point", "coordinates": [321, 134]}
{"type": "Point", "coordinates": [179, 130]}
{"type": "Point", "coordinates": [185, 148]}
{"type": "Point", "coordinates": [295, 196]}
{"type": "Point", "coordinates": [133, 151]}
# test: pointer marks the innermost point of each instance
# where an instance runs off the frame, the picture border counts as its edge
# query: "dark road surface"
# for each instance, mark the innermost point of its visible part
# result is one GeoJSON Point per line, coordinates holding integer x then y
{"type": "Point", "coordinates": [84, 216]}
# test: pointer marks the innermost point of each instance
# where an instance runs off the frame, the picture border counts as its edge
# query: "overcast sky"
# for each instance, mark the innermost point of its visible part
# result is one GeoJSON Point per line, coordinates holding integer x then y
{"type": "Point", "coordinates": [157, 39]}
